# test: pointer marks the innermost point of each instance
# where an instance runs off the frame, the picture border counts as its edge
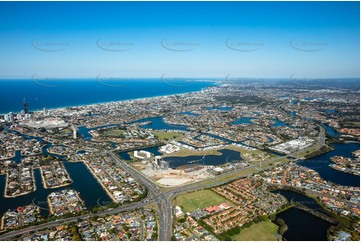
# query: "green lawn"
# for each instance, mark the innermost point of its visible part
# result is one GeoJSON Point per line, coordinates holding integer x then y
{"type": "Point", "coordinates": [199, 199]}
{"type": "Point", "coordinates": [161, 135]}
{"type": "Point", "coordinates": [262, 231]}
{"type": "Point", "coordinates": [186, 152]}
{"type": "Point", "coordinates": [114, 133]}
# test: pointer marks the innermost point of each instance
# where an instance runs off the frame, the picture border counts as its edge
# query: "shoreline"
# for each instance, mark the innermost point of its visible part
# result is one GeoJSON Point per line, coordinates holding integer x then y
{"type": "Point", "coordinates": [20, 194]}
{"type": "Point", "coordinates": [50, 206]}
{"type": "Point", "coordinates": [98, 180]}
{"type": "Point", "coordinates": [44, 182]}
{"type": "Point", "coordinates": [2, 222]}
{"type": "Point", "coordinates": [217, 82]}
{"type": "Point", "coordinates": [347, 172]}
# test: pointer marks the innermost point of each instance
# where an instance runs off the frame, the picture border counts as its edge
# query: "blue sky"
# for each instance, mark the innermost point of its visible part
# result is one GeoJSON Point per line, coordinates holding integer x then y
{"type": "Point", "coordinates": [194, 39]}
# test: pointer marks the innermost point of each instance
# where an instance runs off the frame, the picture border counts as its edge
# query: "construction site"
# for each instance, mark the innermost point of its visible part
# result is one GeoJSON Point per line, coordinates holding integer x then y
{"type": "Point", "coordinates": [158, 169]}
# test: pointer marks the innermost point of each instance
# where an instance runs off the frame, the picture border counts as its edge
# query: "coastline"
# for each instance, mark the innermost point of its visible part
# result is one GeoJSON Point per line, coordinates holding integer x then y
{"type": "Point", "coordinates": [214, 82]}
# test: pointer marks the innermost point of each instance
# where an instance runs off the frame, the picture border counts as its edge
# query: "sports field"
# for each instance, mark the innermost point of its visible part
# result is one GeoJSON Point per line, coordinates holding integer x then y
{"type": "Point", "coordinates": [199, 199]}
{"type": "Point", "coordinates": [164, 136]}
{"type": "Point", "coordinates": [262, 231]}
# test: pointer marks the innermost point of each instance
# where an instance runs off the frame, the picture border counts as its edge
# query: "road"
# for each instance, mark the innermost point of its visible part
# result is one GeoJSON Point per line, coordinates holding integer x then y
{"type": "Point", "coordinates": [321, 136]}
{"type": "Point", "coordinates": [164, 202]}
{"type": "Point", "coordinates": [163, 199]}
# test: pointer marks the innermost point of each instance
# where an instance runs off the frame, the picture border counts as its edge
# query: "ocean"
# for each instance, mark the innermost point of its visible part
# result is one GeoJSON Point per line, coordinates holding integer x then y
{"type": "Point", "coordinates": [56, 93]}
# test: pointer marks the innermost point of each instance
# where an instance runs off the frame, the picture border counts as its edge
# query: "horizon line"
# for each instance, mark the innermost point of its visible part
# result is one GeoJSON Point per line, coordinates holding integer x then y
{"type": "Point", "coordinates": [114, 78]}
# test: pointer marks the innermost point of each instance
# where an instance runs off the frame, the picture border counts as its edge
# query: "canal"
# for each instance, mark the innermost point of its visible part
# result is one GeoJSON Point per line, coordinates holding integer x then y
{"type": "Point", "coordinates": [83, 182]}
{"type": "Point", "coordinates": [227, 156]}
{"type": "Point", "coordinates": [321, 163]}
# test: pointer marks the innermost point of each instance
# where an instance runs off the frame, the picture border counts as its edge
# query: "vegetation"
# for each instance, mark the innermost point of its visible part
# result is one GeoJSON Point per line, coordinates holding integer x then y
{"type": "Point", "coordinates": [199, 199]}
{"type": "Point", "coordinates": [265, 230]}
{"type": "Point", "coordinates": [164, 136]}
{"type": "Point", "coordinates": [186, 152]}
{"type": "Point", "coordinates": [115, 132]}
{"type": "Point", "coordinates": [322, 150]}
{"type": "Point", "coordinates": [76, 234]}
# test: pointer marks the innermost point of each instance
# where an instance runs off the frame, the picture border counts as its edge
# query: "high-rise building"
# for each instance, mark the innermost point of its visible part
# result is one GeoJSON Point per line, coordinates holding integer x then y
{"type": "Point", "coordinates": [26, 106]}
{"type": "Point", "coordinates": [157, 160]}
{"type": "Point", "coordinates": [6, 117]}
{"type": "Point", "coordinates": [11, 117]}
{"type": "Point", "coordinates": [74, 133]}
{"type": "Point", "coordinates": [45, 111]}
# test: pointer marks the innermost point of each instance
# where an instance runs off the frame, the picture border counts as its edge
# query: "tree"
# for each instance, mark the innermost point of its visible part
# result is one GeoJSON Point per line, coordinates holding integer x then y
{"type": "Point", "coordinates": [282, 229]}
{"type": "Point", "coordinates": [181, 220]}
{"type": "Point", "coordinates": [77, 237]}
{"type": "Point", "coordinates": [227, 238]}
{"type": "Point", "coordinates": [155, 235]}
{"type": "Point", "coordinates": [74, 230]}
{"type": "Point", "coordinates": [280, 222]}
{"type": "Point", "coordinates": [125, 227]}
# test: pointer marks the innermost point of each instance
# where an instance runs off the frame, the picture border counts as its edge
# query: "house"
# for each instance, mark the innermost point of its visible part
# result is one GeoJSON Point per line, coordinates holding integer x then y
{"type": "Point", "coordinates": [178, 212]}
{"type": "Point", "coordinates": [212, 209]}
{"type": "Point", "coordinates": [224, 206]}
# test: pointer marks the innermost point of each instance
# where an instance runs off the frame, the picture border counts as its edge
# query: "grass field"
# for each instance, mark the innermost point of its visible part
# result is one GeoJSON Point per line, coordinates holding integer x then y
{"type": "Point", "coordinates": [153, 206]}
{"type": "Point", "coordinates": [243, 150]}
{"type": "Point", "coordinates": [163, 136]}
{"type": "Point", "coordinates": [114, 132]}
{"type": "Point", "coordinates": [186, 152]}
{"type": "Point", "coordinates": [262, 231]}
{"type": "Point", "coordinates": [199, 199]}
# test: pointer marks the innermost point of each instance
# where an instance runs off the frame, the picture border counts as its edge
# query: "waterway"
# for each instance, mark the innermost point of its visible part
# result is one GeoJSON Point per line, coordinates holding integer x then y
{"type": "Point", "coordinates": [154, 150]}
{"type": "Point", "coordinates": [83, 182]}
{"type": "Point", "coordinates": [330, 131]}
{"type": "Point", "coordinates": [84, 131]}
{"type": "Point", "coordinates": [321, 165]}
{"type": "Point", "coordinates": [293, 114]}
{"type": "Point", "coordinates": [157, 123]}
{"type": "Point", "coordinates": [191, 113]}
{"type": "Point", "coordinates": [220, 108]}
{"type": "Point", "coordinates": [38, 197]}
{"type": "Point", "coordinates": [227, 156]}
{"type": "Point", "coordinates": [279, 123]}
{"type": "Point", "coordinates": [303, 226]}
{"type": "Point", "coordinates": [304, 200]}
{"type": "Point", "coordinates": [243, 120]}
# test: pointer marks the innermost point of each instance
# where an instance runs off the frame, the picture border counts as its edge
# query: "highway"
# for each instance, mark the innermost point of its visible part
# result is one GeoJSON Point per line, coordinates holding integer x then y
{"type": "Point", "coordinates": [163, 199]}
